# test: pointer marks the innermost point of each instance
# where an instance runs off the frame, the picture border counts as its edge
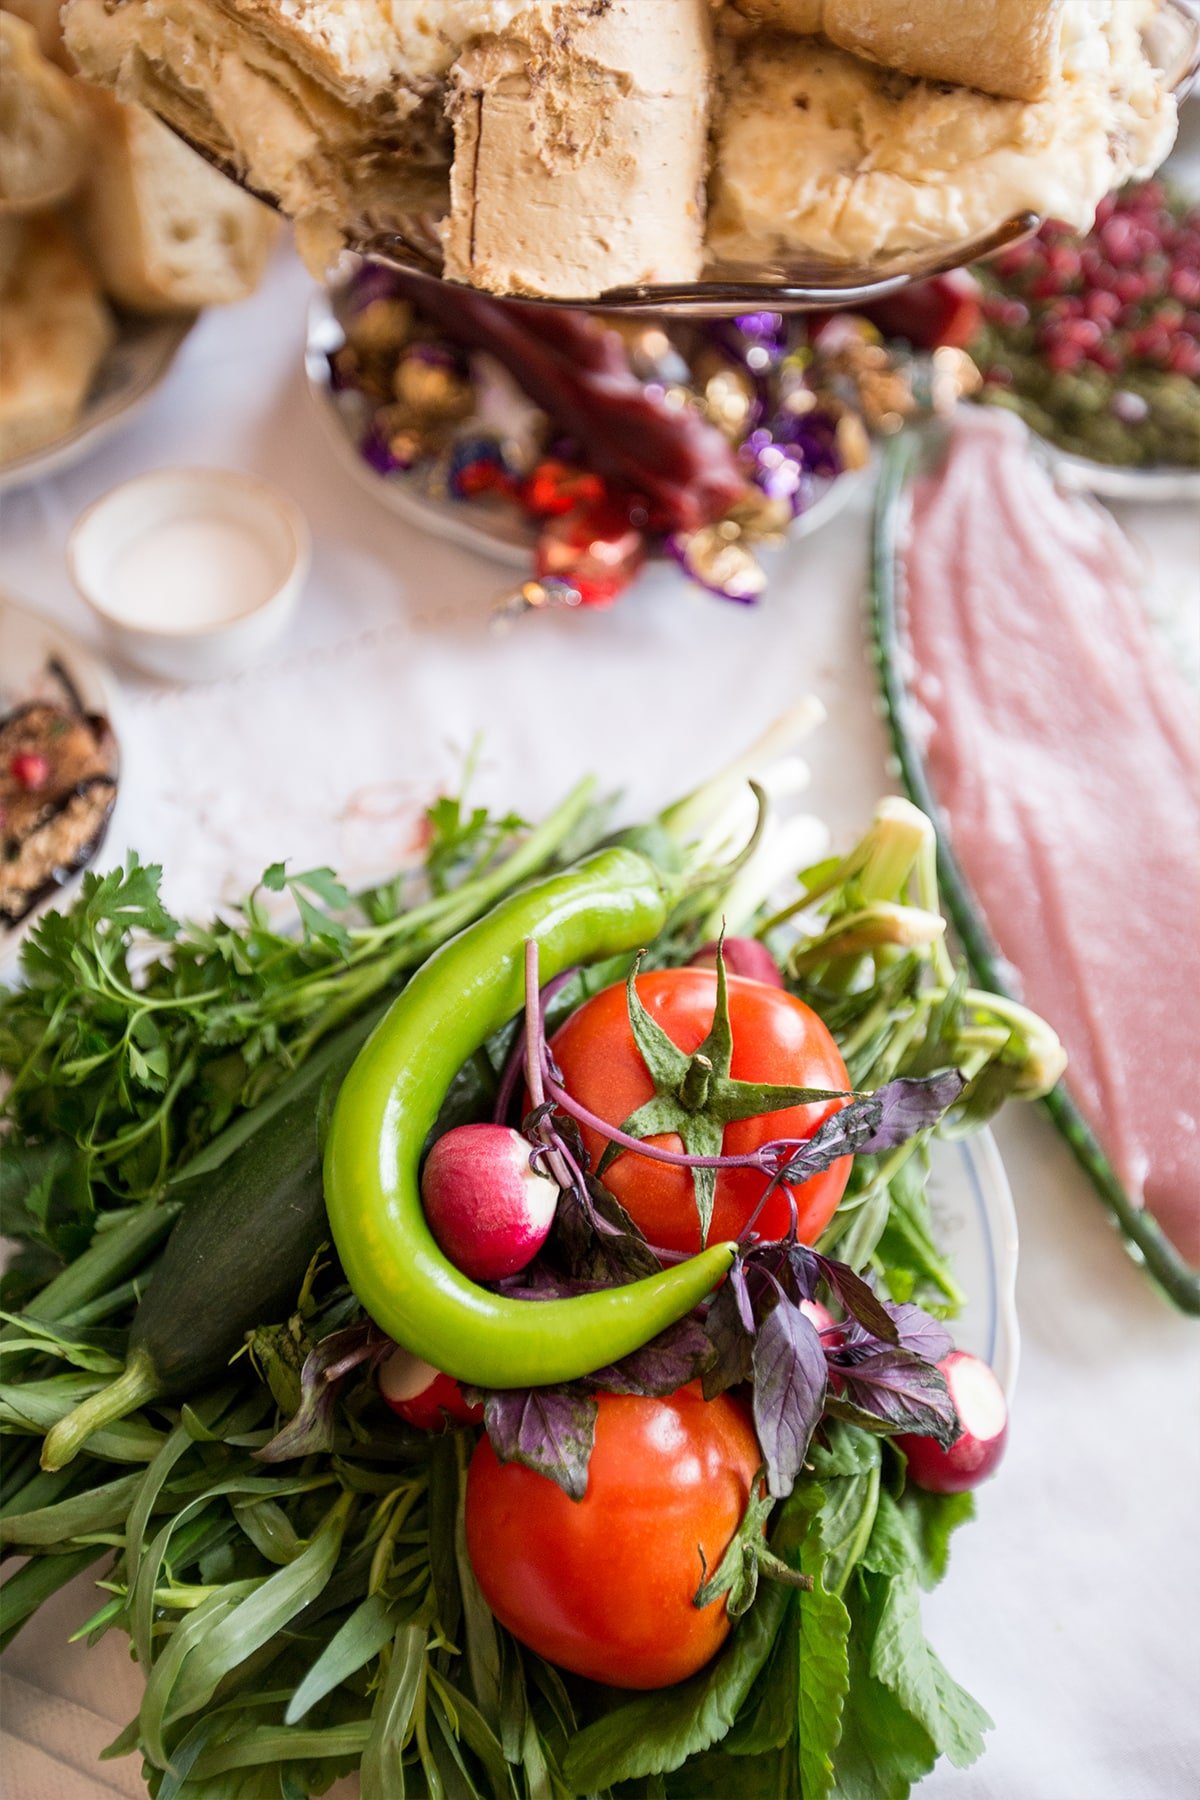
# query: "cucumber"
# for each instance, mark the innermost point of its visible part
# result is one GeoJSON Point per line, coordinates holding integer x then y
{"type": "Point", "coordinates": [251, 1223]}
{"type": "Point", "coordinates": [1143, 1237]}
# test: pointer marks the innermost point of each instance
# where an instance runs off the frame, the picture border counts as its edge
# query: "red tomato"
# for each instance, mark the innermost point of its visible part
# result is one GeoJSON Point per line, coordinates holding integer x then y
{"type": "Point", "coordinates": [604, 1585]}
{"type": "Point", "coordinates": [776, 1038]}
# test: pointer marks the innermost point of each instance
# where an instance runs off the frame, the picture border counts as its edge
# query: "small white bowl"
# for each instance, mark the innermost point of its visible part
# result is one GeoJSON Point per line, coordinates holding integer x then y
{"type": "Point", "coordinates": [191, 572]}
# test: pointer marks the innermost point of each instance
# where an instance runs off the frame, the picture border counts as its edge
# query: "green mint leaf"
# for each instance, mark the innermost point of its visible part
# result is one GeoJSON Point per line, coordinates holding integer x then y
{"type": "Point", "coordinates": [848, 1468]}
{"type": "Point", "coordinates": [658, 1732]}
{"type": "Point", "coordinates": [274, 878]}
{"type": "Point", "coordinates": [904, 1662]}
{"type": "Point", "coordinates": [891, 1549]}
{"type": "Point", "coordinates": [931, 1519]}
{"type": "Point", "coordinates": [823, 1672]}
{"type": "Point", "coordinates": [883, 1751]}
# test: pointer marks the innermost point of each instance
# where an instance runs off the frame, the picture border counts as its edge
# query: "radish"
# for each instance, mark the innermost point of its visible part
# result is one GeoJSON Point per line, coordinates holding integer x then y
{"type": "Point", "coordinates": [488, 1209]}
{"type": "Point", "coordinates": [743, 956]}
{"type": "Point", "coordinates": [422, 1395]}
{"type": "Point", "coordinates": [832, 1336]}
{"type": "Point", "coordinates": [983, 1419]}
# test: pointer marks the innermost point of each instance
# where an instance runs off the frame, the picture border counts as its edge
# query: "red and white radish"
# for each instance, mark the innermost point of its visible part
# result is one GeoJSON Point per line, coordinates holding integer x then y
{"type": "Point", "coordinates": [983, 1419]}
{"type": "Point", "coordinates": [488, 1209]}
{"type": "Point", "coordinates": [422, 1395]}
{"type": "Point", "coordinates": [743, 956]}
{"type": "Point", "coordinates": [832, 1335]}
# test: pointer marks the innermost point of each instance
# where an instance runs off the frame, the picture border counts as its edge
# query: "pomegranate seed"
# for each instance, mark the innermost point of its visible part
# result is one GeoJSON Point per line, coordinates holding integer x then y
{"type": "Point", "coordinates": [1063, 357]}
{"type": "Point", "coordinates": [1064, 262]}
{"type": "Point", "coordinates": [1184, 356]}
{"type": "Point", "coordinates": [29, 770]}
{"type": "Point", "coordinates": [1105, 357]}
{"type": "Point", "coordinates": [1083, 332]}
{"type": "Point", "coordinates": [1101, 306]}
{"type": "Point", "coordinates": [999, 376]}
{"type": "Point", "coordinates": [1129, 286]}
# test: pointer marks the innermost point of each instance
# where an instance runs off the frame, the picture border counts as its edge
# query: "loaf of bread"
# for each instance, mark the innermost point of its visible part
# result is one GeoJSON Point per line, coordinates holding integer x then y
{"type": "Point", "coordinates": [818, 155]}
{"type": "Point", "coordinates": [1016, 49]}
{"type": "Point", "coordinates": [164, 230]}
{"type": "Point", "coordinates": [44, 123]}
{"type": "Point", "coordinates": [57, 329]}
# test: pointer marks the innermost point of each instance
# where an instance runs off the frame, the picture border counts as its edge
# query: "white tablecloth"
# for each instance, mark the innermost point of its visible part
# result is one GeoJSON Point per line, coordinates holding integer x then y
{"type": "Point", "coordinates": [1071, 1608]}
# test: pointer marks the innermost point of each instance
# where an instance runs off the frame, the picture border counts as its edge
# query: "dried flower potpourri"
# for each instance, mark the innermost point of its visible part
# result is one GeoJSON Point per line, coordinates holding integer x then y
{"type": "Point", "coordinates": [613, 439]}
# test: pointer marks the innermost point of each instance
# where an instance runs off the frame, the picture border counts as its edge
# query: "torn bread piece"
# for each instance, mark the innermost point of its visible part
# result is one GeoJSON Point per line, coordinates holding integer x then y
{"type": "Point", "coordinates": [822, 157]}
{"type": "Point", "coordinates": [164, 230]}
{"type": "Point", "coordinates": [580, 150]}
{"type": "Point", "coordinates": [44, 123]}
{"type": "Point", "coordinates": [57, 330]}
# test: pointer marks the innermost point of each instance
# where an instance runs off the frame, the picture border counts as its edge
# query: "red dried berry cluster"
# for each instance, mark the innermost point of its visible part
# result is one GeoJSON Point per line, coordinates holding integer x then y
{"type": "Point", "coordinates": [1126, 295]}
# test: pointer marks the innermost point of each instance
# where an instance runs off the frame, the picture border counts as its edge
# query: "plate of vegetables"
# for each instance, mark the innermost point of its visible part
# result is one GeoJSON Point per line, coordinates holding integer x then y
{"type": "Point", "coordinates": [497, 1339]}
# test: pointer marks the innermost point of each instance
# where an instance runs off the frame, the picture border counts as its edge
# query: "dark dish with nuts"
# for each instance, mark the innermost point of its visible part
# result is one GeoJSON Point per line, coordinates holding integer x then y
{"type": "Point", "coordinates": [58, 786]}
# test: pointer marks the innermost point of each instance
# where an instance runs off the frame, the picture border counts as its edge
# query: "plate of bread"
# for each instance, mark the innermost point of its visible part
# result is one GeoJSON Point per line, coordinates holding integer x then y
{"type": "Point", "coordinates": [702, 154]}
{"type": "Point", "coordinates": [113, 234]}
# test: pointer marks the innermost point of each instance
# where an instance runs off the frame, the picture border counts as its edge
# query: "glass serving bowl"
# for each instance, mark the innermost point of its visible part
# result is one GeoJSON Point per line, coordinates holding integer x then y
{"type": "Point", "coordinates": [787, 284]}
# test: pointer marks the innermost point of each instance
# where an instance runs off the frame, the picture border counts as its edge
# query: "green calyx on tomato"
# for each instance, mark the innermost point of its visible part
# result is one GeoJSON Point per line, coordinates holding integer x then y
{"type": "Point", "coordinates": [719, 1065]}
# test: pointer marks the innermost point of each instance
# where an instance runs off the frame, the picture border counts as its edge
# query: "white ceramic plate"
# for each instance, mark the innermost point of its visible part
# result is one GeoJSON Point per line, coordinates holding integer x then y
{"type": "Point", "coordinates": [134, 367]}
{"type": "Point", "coordinates": [1112, 481]}
{"type": "Point", "coordinates": [27, 644]}
{"type": "Point", "coordinates": [977, 1227]}
{"type": "Point", "coordinates": [492, 531]}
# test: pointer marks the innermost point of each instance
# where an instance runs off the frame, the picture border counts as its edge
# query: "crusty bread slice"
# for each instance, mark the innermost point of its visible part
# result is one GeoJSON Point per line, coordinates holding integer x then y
{"type": "Point", "coordinates": [581, 152]}
{"type": "Point", "coordinates": [57, 330]}
{"type": "Point", "coordinates": [164, 230]}
{"type": "Point", "coordinates": [44, 123]}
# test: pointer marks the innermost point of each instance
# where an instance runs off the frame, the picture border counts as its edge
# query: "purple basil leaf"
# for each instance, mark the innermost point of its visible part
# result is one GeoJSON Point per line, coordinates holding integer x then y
{"type": "Point", "coordinates": [310, 1429]}
{"type": "Point", "coordinates": [860, 1301]}
{"type": "Point", "coordinates": [789, 1392]}
{"type": "Point", "coordinates": [732, 1344]}
{"type": "Point", "coordinates": [545, 1430]}
{"type": "Point", "coordinates": [903, 1392]}
{"type": "Point", "coordinates": [806, 1268]}
{"type": "Point", "coordinates": [917, 1331]}
{"type": "Point", "coordinates": [880, 1121]}
{"type": "Point", "coordinates": [909, 1105]}
{"type": "Point", "coordinates": [672, 1359]}
{"type": "Point", "coordinates": [741, 1294]}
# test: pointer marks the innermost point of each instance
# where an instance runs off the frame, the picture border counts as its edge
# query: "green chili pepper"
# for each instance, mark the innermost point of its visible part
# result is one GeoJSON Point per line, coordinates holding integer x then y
{"type": "Point", "coordinates": [611, 902]}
